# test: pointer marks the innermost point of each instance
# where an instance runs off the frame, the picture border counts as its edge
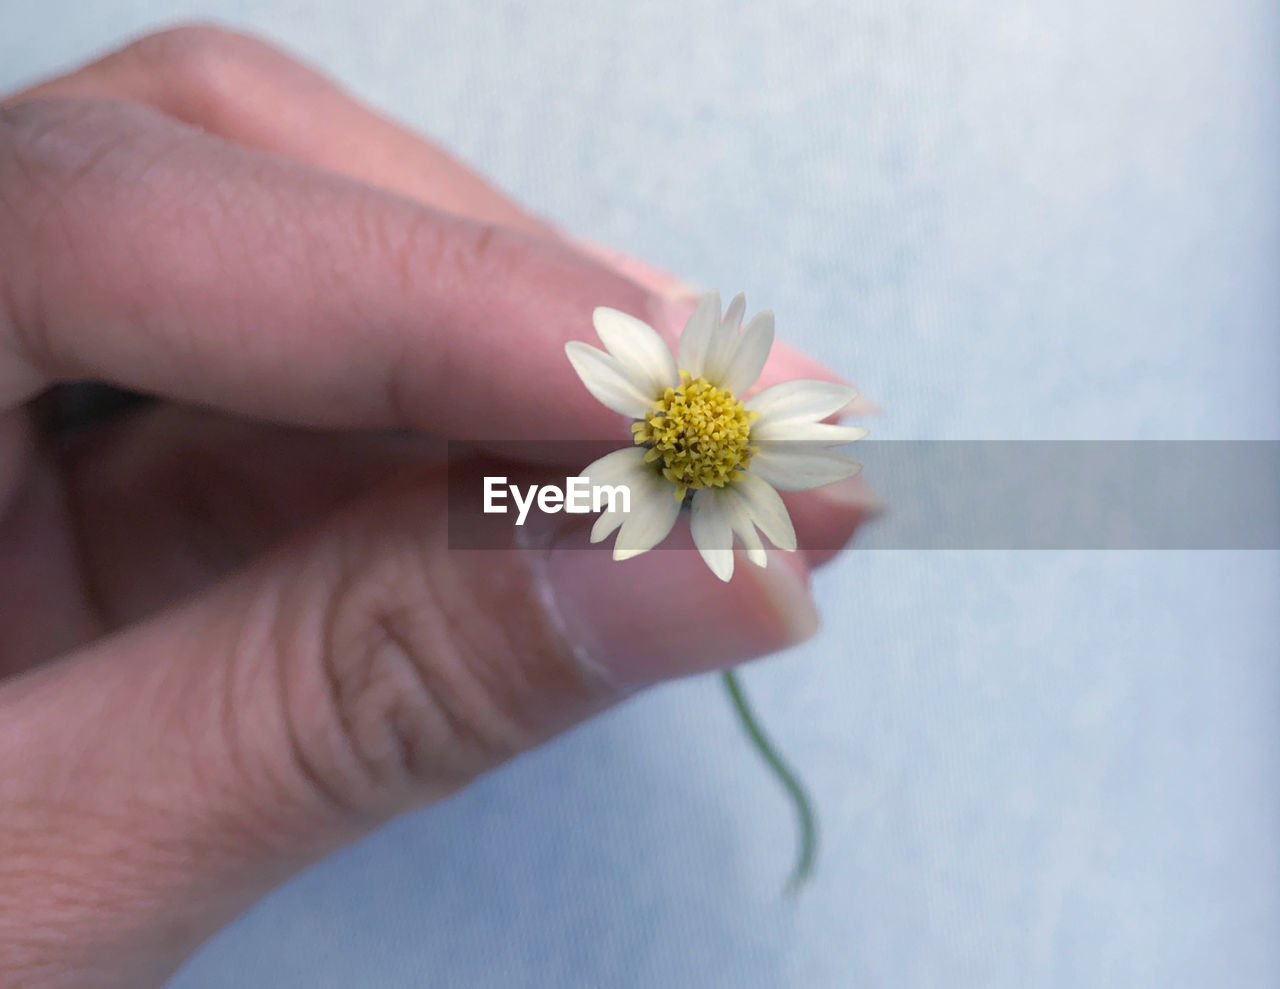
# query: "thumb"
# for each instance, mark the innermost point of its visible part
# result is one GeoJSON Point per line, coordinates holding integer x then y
{"type": "Point", "coordinates": [158, 782]}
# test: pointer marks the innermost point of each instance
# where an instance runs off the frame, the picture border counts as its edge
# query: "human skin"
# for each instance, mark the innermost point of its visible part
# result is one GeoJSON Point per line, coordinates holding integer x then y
{"type": "Point", "coordinates": [231, 636]}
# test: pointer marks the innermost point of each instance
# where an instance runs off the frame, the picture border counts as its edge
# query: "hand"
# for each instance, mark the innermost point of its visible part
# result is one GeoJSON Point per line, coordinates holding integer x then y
{"type": "Point", "coordinates": [231, 636]}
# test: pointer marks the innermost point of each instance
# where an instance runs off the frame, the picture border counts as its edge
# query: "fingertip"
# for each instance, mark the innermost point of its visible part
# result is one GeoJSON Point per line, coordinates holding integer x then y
{"type": "Point", "coordinates": [664, 614]}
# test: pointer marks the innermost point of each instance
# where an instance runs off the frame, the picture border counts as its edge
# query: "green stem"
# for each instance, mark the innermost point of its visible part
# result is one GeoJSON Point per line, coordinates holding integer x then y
{"type": "Point", "coordinates": [790, 782]}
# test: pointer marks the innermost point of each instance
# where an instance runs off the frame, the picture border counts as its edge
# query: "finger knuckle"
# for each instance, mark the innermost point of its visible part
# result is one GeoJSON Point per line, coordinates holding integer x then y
{"type": "Point", "coordinates": [39, 138]}
{"type": "Point", "coordinates": [50, 148]}
{"type": "Point", "coordinates": [201, 64]}
{"type": "Point", "coordinates": [187, 50]}
{"type": "Point", "coordinates": [64, 163]}
{"type": "Point", "coordinates": [428, 688]}
{"type": "Point", "coordinates": [50, 155]}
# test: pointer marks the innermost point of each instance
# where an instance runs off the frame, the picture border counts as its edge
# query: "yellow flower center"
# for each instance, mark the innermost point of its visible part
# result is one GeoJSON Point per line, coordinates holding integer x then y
{"type": "Point", "coordinates": [701, 433]}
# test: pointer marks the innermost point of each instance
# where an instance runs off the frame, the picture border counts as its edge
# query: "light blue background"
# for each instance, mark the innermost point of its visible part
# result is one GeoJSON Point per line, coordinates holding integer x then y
{"type": "Point", "coordinates": [1004, 220]}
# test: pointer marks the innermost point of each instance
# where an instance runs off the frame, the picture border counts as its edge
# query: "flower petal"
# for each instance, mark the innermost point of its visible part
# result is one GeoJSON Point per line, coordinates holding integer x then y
{"type": "Point", "coordinates": [765, 508]}
{"type": "Point", "coordinates": [618, 467]}
{"type": "Point", "coordinates": [752, 352]}
{"type": "Point", "coordinates": [697, 333]}
{"type": "Point", "coordinates": [743, 527]}
{"type": "Point", "coordinates": [712, 533]}
{"type": "Point", "coordinates": [642, 355]}
{"type": "Point", "coordinates": [606, 380]}
{"type": "Point", "coordinates": [755, 548]}
{"type": "Point", "coordinates": [654, 510]}
{"type": "Point", "coordinates": [737, 309]}
{"type": "Point", "coordinates": [801, 431]}
{"type": "Point", "coordinates": [798, 468]}
{"type": "Point", "coordinates": [605, 524]}
{"type": "Point", "coordinates": [803, 400]}
{"type": "Point", "coordinates": [625, 466]}
{"type": "Point", "coordinates": [724, 343]}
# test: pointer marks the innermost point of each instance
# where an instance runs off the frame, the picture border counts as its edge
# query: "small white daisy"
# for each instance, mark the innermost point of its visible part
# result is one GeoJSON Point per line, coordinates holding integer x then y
{"type": "Point", "coordinates": [693, 434]}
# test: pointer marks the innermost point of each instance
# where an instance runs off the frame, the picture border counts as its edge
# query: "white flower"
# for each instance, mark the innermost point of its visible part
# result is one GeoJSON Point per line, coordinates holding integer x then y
{"type": "Point", "coordinates": [692, 432]}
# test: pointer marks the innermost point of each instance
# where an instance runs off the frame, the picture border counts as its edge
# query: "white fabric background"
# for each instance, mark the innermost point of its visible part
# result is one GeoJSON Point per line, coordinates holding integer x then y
{"type": "Point", "coordinates": [1004, 220]}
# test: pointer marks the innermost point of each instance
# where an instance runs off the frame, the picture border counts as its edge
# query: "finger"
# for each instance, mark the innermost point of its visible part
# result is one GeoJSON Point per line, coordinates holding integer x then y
{"type": "Point", "coordinates": [141, 252]}
{"type": "Point", "coordinates": [350, 676]}
{"type": "Point", "coordinates": [171, 499]}
{"type": "Point", "coordinates": [243, 89]}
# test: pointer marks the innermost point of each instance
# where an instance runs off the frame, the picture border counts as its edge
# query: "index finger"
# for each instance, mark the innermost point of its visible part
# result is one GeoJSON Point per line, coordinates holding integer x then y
{"type": "Point", "coordinates": [248, 92]}
{"type": "Point", "coordinates": [144, 252]}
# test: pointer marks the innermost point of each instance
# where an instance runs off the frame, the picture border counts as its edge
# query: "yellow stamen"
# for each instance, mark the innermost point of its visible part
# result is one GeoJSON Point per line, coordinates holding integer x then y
{"type": "Point", "coordinates": [701, 433]}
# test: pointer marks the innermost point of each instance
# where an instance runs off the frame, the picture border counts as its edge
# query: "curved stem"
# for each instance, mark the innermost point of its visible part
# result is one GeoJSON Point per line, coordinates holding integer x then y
{"type": "Point", "coordinates": [790, 782]}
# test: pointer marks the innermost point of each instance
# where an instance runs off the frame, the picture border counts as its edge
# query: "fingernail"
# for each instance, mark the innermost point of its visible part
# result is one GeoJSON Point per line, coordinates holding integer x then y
{"type": "Point", "coordinates": [664, 614]}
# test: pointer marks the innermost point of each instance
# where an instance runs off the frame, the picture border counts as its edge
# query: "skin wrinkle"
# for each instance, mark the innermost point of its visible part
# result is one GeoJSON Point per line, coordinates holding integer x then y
{"type": "Point", "coordinates": [480, 253]}
{"type": "Point", "coordinates": [408, 648]}
{"type": "Point", "coordinates": [289, 616]}
{"type": "Point", "coordinates": [412, 243]}
{"type": "Point", "coordinates": [226, 241]}
{"type": "Point", "coordinates": [345, 683]}
{"type": "Point", "coordinates": [69, 162]}
{"type": "Point", "coordinates": [226, 721]}
{"type": "Point", "coordinates": [381, 666]}
{"type": "Point", "coordinates": [229, 240]}
{"type": "Point", "coordinates": [398, 250]}
{"type": "Point", "coordinates": [252, 669]}
{"type": "Point", "coordinates": [361, 690]}
{"type": "Point", "coordinates": [469, 683]}
{"type": "Point", "coordinates": [299, 752]}
{"type": "Point", "coordinates": [402, 378]}
{"type": "Point", "coordinates": [329, 667]}
{"type": "Point", "coordinates": [454, 732]}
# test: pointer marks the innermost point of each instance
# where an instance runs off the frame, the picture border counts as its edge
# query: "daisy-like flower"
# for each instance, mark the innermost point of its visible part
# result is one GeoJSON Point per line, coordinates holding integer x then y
{"type": "Point", "coordinates": [693, 434]}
